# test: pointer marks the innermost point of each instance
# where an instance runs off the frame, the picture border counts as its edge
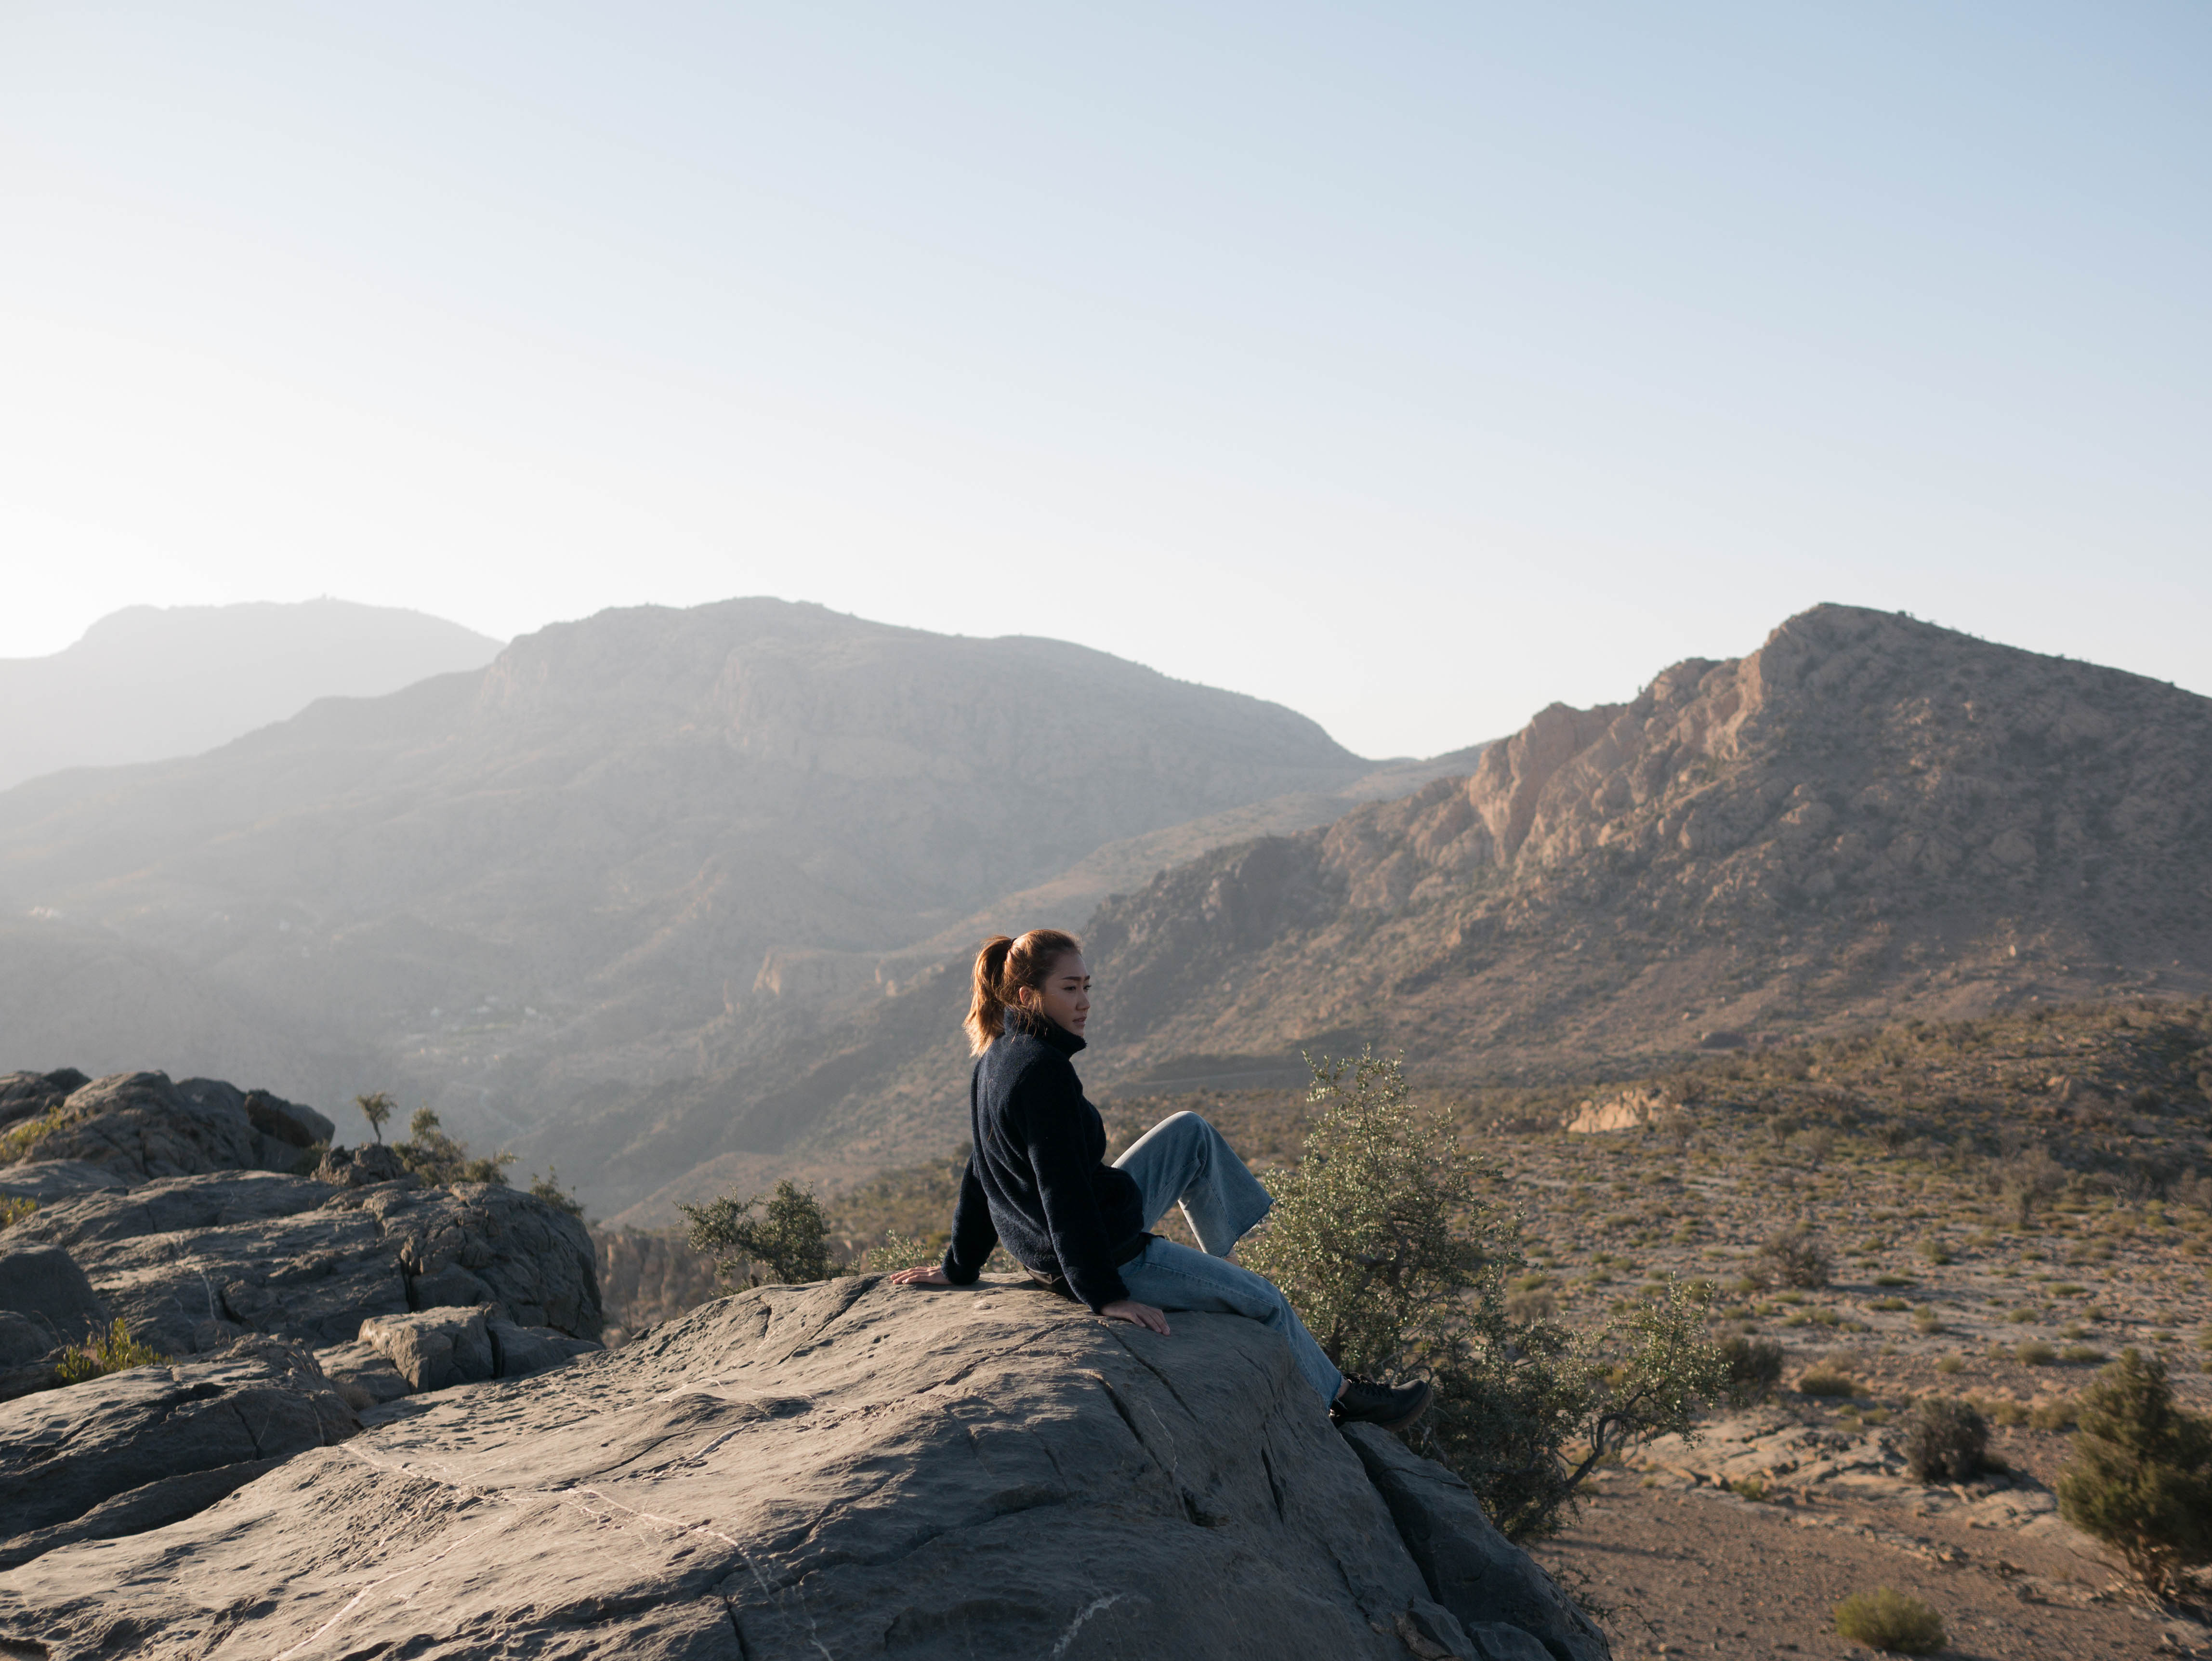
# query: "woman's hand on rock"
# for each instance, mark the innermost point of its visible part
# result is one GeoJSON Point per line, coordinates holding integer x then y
{"type": "Point", "coordinates": [924, 1275]}
{"type": "Point", "coordinates": [1137, 1314]}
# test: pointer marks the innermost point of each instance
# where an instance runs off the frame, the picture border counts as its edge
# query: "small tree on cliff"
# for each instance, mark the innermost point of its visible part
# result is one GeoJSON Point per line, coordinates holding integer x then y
{"type": "Point", "coordinates": [1390, 1246]}
{"type": "Point", "coordinates": [376, 1107]}
{"type": "Point", "coordinates": [788, 1245]}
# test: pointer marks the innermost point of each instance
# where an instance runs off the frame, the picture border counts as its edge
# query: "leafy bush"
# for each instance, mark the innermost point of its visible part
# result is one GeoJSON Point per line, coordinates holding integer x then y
{"type": "Point", "coordinates": [13, 1210]}
{"type": "Point", "coordinates": [1890, 1621]}
{"type": "Point", "coordinates": [440, 1161]}
{"type": "Point", "coordinates": [1387, 1244]}
{"type": "Point", "coordinates": [1827, 1379]}
{"type": "Point", "coordinates": [788, 1245]}
{"type": "Point", "coordinates": [111, 1352]}
{"type": "Point", "coordinates": [2140, 1476]}
{"type": "Point", "coordinates": [2035, 1354]}
{"type": "Point", "coordinates": [548, 1187]}
{"type": "Point", "coordinates": [900, 1251]}
{"type": "Point", "coordinates": [1795, 1257]}
{"type": "Point", "coordinates": [2062, 1414]}
{"type": "Point", "coordinates": [1945, 1439]}
{"type": "Point", "coordinates": [1754, 1367]}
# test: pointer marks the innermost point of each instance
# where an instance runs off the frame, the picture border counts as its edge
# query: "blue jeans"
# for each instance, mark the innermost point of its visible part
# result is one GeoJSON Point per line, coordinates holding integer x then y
{"type": "Point", "coordinates": [1183, 1160]}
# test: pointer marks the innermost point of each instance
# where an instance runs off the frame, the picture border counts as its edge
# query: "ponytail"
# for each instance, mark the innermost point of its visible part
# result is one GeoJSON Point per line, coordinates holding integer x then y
{"type": "Point", "coordinates": [1003, 967]}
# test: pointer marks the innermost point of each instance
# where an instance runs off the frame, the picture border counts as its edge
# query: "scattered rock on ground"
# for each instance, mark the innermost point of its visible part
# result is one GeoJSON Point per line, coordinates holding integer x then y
{"type": "Point", "coordinates": [849, 1469]}
{"type": "Point", "coordinates": [363, 1167]}
{"type": "Point", "coordinates": [137, 1449]}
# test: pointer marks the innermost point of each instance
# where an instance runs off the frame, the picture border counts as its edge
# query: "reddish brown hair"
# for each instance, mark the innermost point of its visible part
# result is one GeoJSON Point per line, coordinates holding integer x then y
{"type": "Point", "coordinates": [1003, 967]}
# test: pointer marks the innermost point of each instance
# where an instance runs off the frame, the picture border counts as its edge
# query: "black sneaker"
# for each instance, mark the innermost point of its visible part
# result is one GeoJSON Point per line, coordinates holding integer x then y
{"type": "Point", "coordinates": [1366, 1402]}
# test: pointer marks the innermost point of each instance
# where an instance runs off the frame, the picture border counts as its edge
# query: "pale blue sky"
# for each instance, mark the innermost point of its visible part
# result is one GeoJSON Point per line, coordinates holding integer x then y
{"type": "Point", "coordinates": [1414, 365]}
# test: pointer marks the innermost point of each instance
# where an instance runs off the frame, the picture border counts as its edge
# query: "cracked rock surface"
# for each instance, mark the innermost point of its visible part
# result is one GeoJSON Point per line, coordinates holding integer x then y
{"type": "Point", "coordinates": [135, 1450]}
{"type": "Point", "coordinates": [844, 1469]}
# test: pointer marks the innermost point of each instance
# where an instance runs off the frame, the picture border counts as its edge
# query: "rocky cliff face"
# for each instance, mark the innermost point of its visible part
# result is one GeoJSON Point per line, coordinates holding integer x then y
{"type": "Point", "coordinates": [848, 1469]}
{"type": "Point", "coordinates": [1868, 814]}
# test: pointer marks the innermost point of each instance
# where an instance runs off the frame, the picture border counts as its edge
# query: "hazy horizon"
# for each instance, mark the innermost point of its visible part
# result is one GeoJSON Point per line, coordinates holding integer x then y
{"type": "Point", "coordinates": [1412, 371]}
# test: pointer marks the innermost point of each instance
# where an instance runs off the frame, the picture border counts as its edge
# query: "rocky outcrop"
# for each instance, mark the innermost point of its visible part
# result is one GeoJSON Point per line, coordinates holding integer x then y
{"type": "Point", "coordinates": [847, 1470]}
{"type": "Point", "coordinates": [140, 1127]}
{"type": "Point", "coordinates": [1867, 816]}
{"type": "Point", "coordinates": [47, 1180]}
{"type": "Point", "coordinates": [27, 1095]}
{"type": "Point", "coordinates": [1468, 1566]}
{"type": "Point", "coordinates": [193, 1263]}
{"type": "Point", "coordinates": [1629, 1109]}
{"type": "Point", "coordinates": [44, 1287]}
{"type": "Point", "coordinates": [139, 1449]}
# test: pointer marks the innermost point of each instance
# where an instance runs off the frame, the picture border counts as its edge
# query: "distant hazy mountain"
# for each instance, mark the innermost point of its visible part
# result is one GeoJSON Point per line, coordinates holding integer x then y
{"type": "Point", "coordinates": [1867, 817]}
{"type": "Point", "coordinates": [148, 682]}
{"type": "Point", "coordinates": [632, 849]}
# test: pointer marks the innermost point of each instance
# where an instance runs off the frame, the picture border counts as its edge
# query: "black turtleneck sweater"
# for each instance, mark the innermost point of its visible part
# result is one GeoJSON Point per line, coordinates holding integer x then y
{"type": "Point", "coordinates": [1038, 1177]}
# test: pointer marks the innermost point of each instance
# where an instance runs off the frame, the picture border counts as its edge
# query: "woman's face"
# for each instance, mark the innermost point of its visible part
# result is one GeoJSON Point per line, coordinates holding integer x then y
{"type": "Point", "coordinates": [1067, 994]}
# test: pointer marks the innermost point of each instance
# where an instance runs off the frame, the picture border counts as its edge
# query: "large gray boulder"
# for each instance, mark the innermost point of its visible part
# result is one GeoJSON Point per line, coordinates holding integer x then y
{"type": "Point", "coordinates": [1468, 1566]}
{"type": "Point", "coordinates": [435, 1349]}
{"type": "Point", "coordinates": [194, 1262]}
{"type": "Point", "coordinates": [142, 1127]}
{"type": "Point", "coordinates": [849, 1469]}
{"type": "Point", "coordinates": [141, 1449]}
{"type": "Point", "coordinates": [42, 1284]}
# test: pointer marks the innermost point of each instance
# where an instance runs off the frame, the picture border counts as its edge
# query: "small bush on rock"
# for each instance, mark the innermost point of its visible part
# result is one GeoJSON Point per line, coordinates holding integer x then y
{"type": "Point", "coordinates": [548, 1187]}
{"type": "Point", "coordinates": [1946, 1440]}
{"type": "Point", "coordinates": [13, 1210]}
{"type": "Point", "coordinates": [900, 1251]}
{"type": "Point", "coordinates": [440, 1161]}
{"type": "Point", "coordinates": [113, 1351]}
{"type": "Point", "coordinates": [1890, 1621]}
{"type": "Point", "coordinates": [2140, 1476]}
{"type": "Point", "coordinates": [1398, 1259]}
{"type": "Point", "coordinates": [787, 1245]}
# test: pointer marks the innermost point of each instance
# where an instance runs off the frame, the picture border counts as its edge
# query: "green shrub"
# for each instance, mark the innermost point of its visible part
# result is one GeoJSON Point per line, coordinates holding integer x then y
{"type": "Point", "coordinates": [1754, 1367]}
{"type": "Point", "coordinates": [1827, 1379]}
{"type": "Point", "coordinates": [548, 1187]}
{"type": "Point", "coordinates": [2079, 1354]}
{"type": "Point", "coordinates": [1893, 1280]}
{"type": "Point", "coordinates": [2141, 1475]}
{"type": "Point", "coordinates": [899, 1251]}
{"type": "Point", "coordinates": [1945, 1439]}
{"type": "Point", "coordinates": [1795, 1257]}
{"type": "Point", "coordinates": [1950, 1363]}
{"type": "Point", "coordinates": [2060, 1413]}
{"type": "Point", "coordinates": [2035, 1353]}
{"type": "Point", "coordinates": [113, 1351]}
{"type": "Point", "coordinates": [787, 1245]}
{"type": "Point", "coordinates": [13, 1210]}
{"type": "Point", "coordinates": [1890, 1621]}
{"type": "Point", "coordinates": [1888, 1306]}
{"type": "Point", "coordinates": [440, 1161]}
{"type": "Point", "coordinates": [1387, 1242]}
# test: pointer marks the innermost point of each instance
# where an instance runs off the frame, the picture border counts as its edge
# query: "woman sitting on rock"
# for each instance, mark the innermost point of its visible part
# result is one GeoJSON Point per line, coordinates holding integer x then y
{"type": "Point", "coordinates": [1037, 1180]}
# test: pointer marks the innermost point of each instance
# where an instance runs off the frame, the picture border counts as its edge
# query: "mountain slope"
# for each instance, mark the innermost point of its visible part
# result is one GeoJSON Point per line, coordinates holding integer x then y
{"type": "Point", "coordinates": [147, 682]}
{"type": "Point", "coordinates": [591, 866]}
{"type": "Point", "coordinates": [1867, 815]}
